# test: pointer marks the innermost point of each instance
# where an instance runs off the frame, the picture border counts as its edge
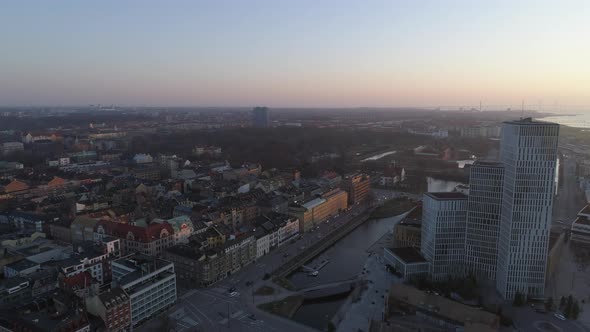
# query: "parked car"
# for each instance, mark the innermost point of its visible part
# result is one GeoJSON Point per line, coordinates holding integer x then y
{"type": "Point", "coordinates": [559, 316]}
{"type": "Point", "coordinates": [234, 294]}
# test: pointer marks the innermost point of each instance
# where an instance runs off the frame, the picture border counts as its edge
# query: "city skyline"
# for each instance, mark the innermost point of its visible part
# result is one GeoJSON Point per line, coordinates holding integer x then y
{"type": "Point", "coordinates": [344, 54]}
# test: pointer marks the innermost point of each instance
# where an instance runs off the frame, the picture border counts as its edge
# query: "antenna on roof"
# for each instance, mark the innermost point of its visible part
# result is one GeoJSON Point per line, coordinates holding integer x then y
{"type": "Point", "coordinates": [522, 112]}
{"type": "Point", "coordinates": [480, 109]}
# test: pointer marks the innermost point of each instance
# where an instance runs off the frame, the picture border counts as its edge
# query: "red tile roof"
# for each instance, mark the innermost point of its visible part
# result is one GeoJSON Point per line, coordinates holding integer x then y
{"type": "Point", "coordinates": [78, 281]}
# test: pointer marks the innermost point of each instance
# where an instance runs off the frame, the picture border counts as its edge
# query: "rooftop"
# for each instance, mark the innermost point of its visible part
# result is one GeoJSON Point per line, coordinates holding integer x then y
{"type": "Point", "coordinates": [585, 210]}
{"type": "Point", "coordinates": [446, 196]}
{"type": "Point", "coordinates": [408, 255]}
{"type": "Point", "coordinates": [530, 121]}
{"type": "Point", "coordinates": [22, 265]}
{"type": "Point", "coordinates": [488, 163]}
{"type": "Point", "coordinates": [313, 203]}
{"type": "Point", "coordinates": [581, 220]}
{"type": "Point", "coordinates": [141, 266]}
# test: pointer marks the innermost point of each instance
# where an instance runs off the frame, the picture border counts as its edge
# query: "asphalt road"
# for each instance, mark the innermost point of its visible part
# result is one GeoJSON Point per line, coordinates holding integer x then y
{"type": "Point", "coordinates": [570, 198]}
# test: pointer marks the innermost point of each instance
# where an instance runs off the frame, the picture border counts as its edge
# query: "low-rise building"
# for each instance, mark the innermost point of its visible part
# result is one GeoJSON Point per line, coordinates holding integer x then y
{"type": "Point", "coordinates": [580, 230]}
{"type": "Point", "coordinates": [82, 229]}
{"type": "Point", "coordinates": [358, 186]}
{"type": "Point", "coordinates": [407, 233]}
{"type": "Point", "coordinates": [317, 210]}
{"type": "Point", "coordinates": [183, 227]}
{"type": "Point", "coordinates": [113, 307]}
{"type": "Point", "coordinates": [150, 283]}
{"type": "Point", "coordinates": [407, 262]}
{"type": "Point", "coordinates": [9, 148]}
{"type": "Point", "coordinates": [239, 252]}
{"type": "Point", "coordinates": [20, 268]}
{"type": "Point", "coordinates": [151, 240]}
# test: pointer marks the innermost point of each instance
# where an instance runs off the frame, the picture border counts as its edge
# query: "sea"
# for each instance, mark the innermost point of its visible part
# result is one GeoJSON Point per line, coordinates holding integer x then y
{"type": "Point", "coordinates": [581, 120]}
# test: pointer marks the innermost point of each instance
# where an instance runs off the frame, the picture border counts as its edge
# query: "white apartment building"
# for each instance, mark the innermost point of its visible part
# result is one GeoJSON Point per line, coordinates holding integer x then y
{"type": "Point", "coordinates": [528, 151]}
{"type": "Point", "coordinates": [484, 208]}
{"type": "Point", "coordinates": [443, 233]}
{"type": "Point", "coordinates": [150, 283]}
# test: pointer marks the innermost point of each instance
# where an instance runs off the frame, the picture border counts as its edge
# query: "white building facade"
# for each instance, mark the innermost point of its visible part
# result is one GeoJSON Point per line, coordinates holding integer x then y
{"type": "Point", "coordinates": [528, 151]}
{"type": "Point", "coordinates": [150, 283]}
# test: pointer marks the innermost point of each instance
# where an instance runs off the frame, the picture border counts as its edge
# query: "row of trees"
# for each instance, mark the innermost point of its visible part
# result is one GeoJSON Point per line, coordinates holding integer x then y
{"type": "Point", "coordinates": [569, 306]}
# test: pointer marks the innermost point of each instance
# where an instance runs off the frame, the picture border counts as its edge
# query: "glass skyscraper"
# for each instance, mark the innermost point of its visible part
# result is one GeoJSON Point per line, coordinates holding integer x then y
{"type": "Point", "coordinates": [528, 152]}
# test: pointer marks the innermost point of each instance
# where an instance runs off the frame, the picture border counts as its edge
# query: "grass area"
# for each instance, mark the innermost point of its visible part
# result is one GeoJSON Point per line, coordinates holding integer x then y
{"type": "Point", "coordinates": [285, 283]}
{"type": "Point", "coordinates": [393, 207]}
{"type": "Point", "coordinates": [264, 290]}
{"type": "Point", "coordinates": [286, 307]}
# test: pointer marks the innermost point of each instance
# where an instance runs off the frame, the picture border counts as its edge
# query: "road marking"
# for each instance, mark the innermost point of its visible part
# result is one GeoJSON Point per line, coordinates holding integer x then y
{"type": "Point", "coordinates": [202, 314]}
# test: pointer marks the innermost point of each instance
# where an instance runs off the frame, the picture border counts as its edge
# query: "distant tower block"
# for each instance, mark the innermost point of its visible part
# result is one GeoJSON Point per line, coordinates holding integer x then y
{"type": "Point", "coordinates": [261, 117]}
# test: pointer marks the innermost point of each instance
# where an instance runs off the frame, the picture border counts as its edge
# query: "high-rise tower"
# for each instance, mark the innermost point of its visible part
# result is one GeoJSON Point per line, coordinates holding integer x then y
{"type": "Point", "coordinates": [528, 151]}
{"type": "Point", "coordinates": [484, 208]}
{"type": "Point", "coordinates": [261, 117]}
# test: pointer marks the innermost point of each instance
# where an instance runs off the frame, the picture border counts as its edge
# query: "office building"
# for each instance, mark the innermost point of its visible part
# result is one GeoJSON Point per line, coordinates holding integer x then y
{"type": "Point", "coordinates": [319, 209]}
{"type": "Point", "coordinates": [484, 208]}
{"type": "Point", "coordinates": [149, 282]}
{"type": "Point", "coordinates": [443, 233]}
{"type": "Point", "coordinates": [261, 117]}
{"type": "Point", "coordinates": [407, 262]}
{"type": "Point", "coordinates": [358, 186]}
{"type": "Point", "coordinates": [528, 151]}
{"type": "Point", "coordinates": [408, 232]}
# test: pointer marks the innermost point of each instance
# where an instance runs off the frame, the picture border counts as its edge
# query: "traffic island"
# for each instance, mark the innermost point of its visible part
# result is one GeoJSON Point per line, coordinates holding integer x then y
{"type": "Point", "coordinates": [392, 207]}
{"type": "Point", "coordinates": [264, 291]}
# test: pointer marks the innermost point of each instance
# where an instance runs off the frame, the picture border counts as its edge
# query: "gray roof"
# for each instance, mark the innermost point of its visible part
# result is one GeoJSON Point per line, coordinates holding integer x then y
{"type": "Point", "coordinates": [22, 265]}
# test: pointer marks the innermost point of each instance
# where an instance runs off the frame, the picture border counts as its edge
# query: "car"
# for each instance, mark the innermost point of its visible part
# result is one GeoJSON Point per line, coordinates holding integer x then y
{"type": "Point", "coordinates": [234, 294]}
{"type": "Point", "coordinates": [231, 290]}
{"type": "Point", "coordinates": [559, 316]}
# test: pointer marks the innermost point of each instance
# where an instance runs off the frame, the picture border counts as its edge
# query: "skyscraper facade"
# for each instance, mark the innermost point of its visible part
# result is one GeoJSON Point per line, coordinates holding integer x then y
{"type": "Point", "coordinates": [484, 209]}
{"type": "Point", "coordinates": [528, 152]}
{"type": "Point", "coordinates": [443, 233]}
{"type": "Point", "coordinates": [261, 117]}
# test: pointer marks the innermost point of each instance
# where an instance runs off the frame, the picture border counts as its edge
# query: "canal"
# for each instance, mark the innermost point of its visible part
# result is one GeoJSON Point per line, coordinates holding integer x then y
{"type": "Point", "coordinates": [347, 258]}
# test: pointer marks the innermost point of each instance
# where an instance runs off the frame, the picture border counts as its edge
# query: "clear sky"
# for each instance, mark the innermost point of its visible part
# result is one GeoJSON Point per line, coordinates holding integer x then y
{"type": "Point", "coordinates": [300, 53]}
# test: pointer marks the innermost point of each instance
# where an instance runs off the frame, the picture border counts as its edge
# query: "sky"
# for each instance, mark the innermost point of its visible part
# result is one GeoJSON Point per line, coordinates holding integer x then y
{"type": "Point", "coordinates": [305, 53]}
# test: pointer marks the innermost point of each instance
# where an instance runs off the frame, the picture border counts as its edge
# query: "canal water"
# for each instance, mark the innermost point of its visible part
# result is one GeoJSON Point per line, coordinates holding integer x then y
{"type": "Point", "coordinates": [347, 258]}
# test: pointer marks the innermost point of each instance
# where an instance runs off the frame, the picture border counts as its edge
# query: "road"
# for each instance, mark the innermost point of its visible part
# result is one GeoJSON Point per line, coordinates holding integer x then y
{"type": "Point", "coordinates": [526, 319]}
{"type": "Point", "coordinates": [570, 198]}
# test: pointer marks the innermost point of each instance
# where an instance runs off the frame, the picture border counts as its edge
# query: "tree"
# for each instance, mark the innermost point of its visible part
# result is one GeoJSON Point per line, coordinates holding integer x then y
{"type": "Point", "coordinates": [569, 307]}
{"type": "Point", "coordinates": [518, 299]}
{"type": "Point", "coordinates": [331, 327]}
{"type": "Point", "coordinates": [549, 303]}
{"type": "Point", "coordinates": [575, 310]}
